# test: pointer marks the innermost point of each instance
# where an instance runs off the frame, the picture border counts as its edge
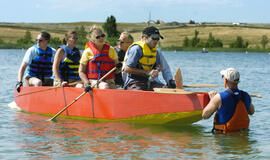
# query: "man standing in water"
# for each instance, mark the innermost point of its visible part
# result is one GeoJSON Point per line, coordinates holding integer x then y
{"type": "Point", "coordinates": [232, 106]}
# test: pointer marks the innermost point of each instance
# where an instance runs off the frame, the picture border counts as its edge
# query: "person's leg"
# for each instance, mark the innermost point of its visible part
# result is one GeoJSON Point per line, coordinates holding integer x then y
{"type": "Point", "coordinates": [33, 81]}
{"type": "Point", "coordinates": [111, 83]}
{"type": "Point", "coordinates": [155, 84]}
{"type": "Point", "coordinates": [137, 86]}
{"type": "Point", "coordinates": [48, 82]}
{"type": "Point", "coordinates": [101, 85]}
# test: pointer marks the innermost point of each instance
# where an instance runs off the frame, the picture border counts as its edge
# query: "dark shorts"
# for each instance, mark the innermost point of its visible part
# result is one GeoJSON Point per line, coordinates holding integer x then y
{"type": "Point", "coordinates": [146, 86]}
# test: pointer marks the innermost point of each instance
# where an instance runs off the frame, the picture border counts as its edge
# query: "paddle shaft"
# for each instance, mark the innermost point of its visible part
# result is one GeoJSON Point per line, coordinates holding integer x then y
{"type": "Point", "coordinates": [66, 107]}
{"type": "Point", "coordinates": [38, 91]}
{"type": "Point", "coordinates": [62, 110]}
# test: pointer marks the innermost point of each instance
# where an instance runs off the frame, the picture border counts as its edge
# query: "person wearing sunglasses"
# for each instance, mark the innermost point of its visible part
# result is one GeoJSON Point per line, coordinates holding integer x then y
{"type": "Point", "coordinates": [232, 106]}
{"type": "Point", "coordinates": [97, 59]}
{"type": "Point", "coordinates": [66, 62]}
{"type": "Point", "coordinates": [37, 63]}
{"type": "Point", "coordinates": [124, 41]}
{"type": "Point", "coordinates": [144, 61]}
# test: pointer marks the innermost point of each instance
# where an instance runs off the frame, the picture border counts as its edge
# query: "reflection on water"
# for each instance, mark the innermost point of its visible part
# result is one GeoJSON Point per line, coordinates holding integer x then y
{"type": "Point", "coordinates": [107, 140]}
{"type": "Point", "coordinates": [80, 139]}
{"type": "Point", "coordinates": [29, 136]}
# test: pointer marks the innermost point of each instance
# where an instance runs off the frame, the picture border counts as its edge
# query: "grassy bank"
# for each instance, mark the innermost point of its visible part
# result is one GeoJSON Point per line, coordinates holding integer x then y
{"type": "Point", "coordinates": [174, 34]}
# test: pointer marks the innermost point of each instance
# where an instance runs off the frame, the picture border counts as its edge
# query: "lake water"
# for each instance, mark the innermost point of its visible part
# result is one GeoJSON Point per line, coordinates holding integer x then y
{"type": "Point", "coordinates": [29, 136]}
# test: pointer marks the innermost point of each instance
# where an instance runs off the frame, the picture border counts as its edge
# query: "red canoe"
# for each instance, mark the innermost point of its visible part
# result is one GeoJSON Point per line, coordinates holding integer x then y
{"type": "Point", "coordinates": [115, 105]}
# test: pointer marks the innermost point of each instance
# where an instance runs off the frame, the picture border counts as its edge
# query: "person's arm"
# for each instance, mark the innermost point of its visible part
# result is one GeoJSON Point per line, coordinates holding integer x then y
{"type": "Point", "coordinates": [136, 71]}
{"type": "Point", "coordinates": [82, 74]}
{"type": "Point", "coordinates": [212, 106]}
{"type": "Point", "coordinates": [165, 68]}
{"type": "Point", "coordinates": [57, 59]}
{"type": "Point", "coordinates": [21, 71]}
{"type": "Point", "coordinates": [26, 60]}
{"type": "Point", "coordinates": [133, 56]}
{"type": "Point", "coordinates": [86, 56]}
{"type": "Point", "coordinates": [113, 54]}
{"type": "Point", "coordinates": [251, 109]}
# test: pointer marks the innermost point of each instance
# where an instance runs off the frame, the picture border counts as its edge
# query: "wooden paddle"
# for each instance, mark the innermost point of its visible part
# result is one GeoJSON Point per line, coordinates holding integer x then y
{"type": "Point", "coordinates": [173, 91]}
{"type": "Point", "coordinates": [179, 82]}
{"type": "Point", "coordinates": [43, 90]}
{"type": "Point", "coordinates": [255, 95]}
{"type": "Point", "coordinates": [66, 107]}
{"type": "Point", "coordinates": [178, 79]}
{"type": "Point", "coordinates": [203, 85]}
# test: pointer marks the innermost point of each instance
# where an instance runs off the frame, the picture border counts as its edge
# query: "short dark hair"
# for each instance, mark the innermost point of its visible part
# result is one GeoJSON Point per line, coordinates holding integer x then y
{"type": "Point", "coordinates": [45, 35]}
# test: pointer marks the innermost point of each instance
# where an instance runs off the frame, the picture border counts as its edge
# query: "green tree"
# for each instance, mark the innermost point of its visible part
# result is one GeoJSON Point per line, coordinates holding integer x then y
{"type": "Point", "coordinates": [195, 40]}
{"type": "Point", "coordinates": [82, 39]}
{"type": "Point", "coordinates": [26, 41]}
{"type": "Point", "coordinates": [264, 41]}
{"type": "Point", "coordinates": [239, 43]}
{"type": "Point", "coordinates": [213, 42]}
{"type": "Point", "coordinates": [55, 42]}
{"type": "Point", "coordinates": [186, 42]}
{"type": "Point", "coordinates": [110, 27]}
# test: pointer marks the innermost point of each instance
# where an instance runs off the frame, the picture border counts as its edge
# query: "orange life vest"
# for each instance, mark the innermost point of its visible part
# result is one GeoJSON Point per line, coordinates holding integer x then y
{"type": "Point", "coordinates": [101, 63]}
{"type": "Point", "coordinates": [239, 120]}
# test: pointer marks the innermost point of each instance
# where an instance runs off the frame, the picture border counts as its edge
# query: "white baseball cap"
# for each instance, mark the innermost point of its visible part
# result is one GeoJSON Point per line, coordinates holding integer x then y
{"type": "Point", "coordinates": [231, 74]}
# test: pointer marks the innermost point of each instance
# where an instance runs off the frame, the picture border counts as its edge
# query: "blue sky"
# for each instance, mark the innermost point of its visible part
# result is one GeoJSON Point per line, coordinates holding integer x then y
{"type": "Point", "coordinates": [253, 11]}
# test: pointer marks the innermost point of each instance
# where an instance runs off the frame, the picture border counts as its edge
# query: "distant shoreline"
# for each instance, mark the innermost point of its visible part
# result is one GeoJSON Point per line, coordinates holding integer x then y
{"type": "Point", "coordinates": [174, 33]}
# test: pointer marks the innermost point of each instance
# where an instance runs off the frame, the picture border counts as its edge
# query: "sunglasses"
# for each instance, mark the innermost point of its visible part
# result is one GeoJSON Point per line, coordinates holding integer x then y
{"type": "Point", "coordinates": [155, 38]}
{"type": "Point", "coordinates": [100, 36]}
{"type": "Point", "coordinates": [75, 38]}
{"type": "Point", "coordinates": [40, 40]}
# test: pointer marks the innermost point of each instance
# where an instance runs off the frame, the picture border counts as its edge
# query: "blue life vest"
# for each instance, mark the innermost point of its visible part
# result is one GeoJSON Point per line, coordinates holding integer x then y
{"type": "Point", "coordinates": [229, 101]}
{"type": "Point", "coordinates": [70, 65]}
{"type": "Point", "coordinates": [41, 65]}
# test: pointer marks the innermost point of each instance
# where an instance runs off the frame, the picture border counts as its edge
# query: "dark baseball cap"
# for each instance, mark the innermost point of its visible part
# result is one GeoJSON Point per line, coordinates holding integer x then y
{"type": "Point", "coordinates": [151, 30]}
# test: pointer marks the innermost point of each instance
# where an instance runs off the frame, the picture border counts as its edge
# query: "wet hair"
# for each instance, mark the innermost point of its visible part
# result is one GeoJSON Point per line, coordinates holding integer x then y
{"type": "Point", "coordinates": [45, 35]}
{"type": "Point", "coordinates": [68, 35]}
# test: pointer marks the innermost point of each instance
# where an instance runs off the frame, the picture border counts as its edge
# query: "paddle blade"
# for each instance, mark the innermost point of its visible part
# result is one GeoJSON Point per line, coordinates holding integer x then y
{"type": "Point", "coordinates": [178, 79]}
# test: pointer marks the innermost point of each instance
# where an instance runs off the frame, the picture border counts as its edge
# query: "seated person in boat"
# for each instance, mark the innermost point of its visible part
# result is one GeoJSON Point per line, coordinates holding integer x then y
{"type": "Point", "coordinates": [232, 106]}
{"type": "Point", "coordinates": [143, 62]}
{"type": "Point", "coordinates": [37, 62]}
{"type": "Point", "coordinates": [124, 41]}
{"type": "Point", "coordinates": [66, 62]}
{"type": "Point", "coordinates": [97, 59]}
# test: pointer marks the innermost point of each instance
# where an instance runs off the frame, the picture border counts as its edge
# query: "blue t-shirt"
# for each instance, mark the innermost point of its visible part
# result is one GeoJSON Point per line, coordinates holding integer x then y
{"type": "Point", "coordinates": [229, 100]}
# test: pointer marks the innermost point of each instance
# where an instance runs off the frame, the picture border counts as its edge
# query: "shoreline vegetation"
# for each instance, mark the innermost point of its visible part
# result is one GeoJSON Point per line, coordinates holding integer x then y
{"type": "Point", "coordinates": [215, 37]}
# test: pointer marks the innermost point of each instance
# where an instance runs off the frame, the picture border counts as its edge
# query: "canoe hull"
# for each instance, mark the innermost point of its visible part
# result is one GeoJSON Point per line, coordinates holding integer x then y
{"type": "Point", "coordinates": [134, 106]}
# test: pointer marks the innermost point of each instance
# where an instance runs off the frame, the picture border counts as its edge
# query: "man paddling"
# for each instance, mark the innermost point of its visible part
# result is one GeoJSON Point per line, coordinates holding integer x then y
{"type": "Point", "coordinates": [232, 106]}
{"type": "Point", "coordinates": [143, 63]}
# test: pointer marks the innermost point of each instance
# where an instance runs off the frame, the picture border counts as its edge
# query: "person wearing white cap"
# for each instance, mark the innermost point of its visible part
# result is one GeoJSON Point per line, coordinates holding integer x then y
{"type": "Point", "coordinates": [232, 106]}
{"type": "Point", "coordinates": [143, 62]}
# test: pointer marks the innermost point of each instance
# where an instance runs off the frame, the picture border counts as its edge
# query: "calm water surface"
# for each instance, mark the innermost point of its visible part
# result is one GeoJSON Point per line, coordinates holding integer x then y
{"type": "Point", "coordinates": [29, 136]}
